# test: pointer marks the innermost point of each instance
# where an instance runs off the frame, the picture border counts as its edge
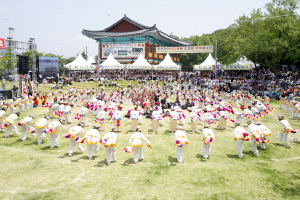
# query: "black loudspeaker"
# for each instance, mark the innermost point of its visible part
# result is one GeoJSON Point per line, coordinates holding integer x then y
{"type": "Point", "coordinates": [23, 64]}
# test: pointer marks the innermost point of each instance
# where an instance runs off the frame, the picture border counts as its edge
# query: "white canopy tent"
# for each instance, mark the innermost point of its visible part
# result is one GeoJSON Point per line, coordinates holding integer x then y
{"type": "Point", "coordinates": [140, 63]}
{"type": "Point", "coordinates": [91, 60]}
{"type": "Point", "coordinates": [207, 64]}
{"type": "Point", "coordinates": [241, 64]}
{"type": "Point", "coordinates": [111, 63]}
{"type": "Point", "coordinates": [80, 64]}
{"type": "Point", "coordinates": [167, 64]}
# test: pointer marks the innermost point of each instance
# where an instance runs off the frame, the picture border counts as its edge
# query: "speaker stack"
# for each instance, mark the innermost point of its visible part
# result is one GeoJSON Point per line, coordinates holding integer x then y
{"type": "Point", "coordinates": [23, 64]}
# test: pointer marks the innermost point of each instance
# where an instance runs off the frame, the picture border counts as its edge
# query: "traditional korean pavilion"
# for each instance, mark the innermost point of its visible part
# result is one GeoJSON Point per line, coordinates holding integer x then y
{"type": "Point", "coordinates": [126, 39]}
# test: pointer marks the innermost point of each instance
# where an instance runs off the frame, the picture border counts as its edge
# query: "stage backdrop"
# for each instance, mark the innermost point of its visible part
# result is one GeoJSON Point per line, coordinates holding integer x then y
{"type": "Point", "coordinates": [48, 66]}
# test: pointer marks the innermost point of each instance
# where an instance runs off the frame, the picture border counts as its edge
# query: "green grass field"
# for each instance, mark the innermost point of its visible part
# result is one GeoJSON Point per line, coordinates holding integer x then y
{"type": "Point", "coordinates": [31, 171]}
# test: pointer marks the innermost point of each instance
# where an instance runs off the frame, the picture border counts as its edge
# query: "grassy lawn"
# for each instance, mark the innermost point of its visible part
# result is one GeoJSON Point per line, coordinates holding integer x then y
{"type": "Point", "coordinates": [31, 171]}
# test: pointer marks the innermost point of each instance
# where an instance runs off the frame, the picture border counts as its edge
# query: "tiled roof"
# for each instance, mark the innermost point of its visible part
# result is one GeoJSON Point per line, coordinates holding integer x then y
{"type": "Point", "coordinates": [125, 18]}
{"type": "Point", "coordinates": [115, 34]}
{"type": "Point", "coordinates": [145, 30]}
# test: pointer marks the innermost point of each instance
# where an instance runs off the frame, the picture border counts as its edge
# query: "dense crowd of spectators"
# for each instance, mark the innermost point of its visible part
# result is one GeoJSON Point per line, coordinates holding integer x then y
{"type": "Point", "coordinates": [261, 82]}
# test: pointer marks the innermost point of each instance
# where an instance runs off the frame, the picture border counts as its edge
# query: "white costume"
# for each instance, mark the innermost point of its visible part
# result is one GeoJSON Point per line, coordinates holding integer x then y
{"type": "Point", "coordinates": [10, 122]}
{"type": "Point", "coordinates": [117, 118]}
{"type": "Point", "coordinates": [240, 139]}
{"type": "Point", "coordinates": [156, 117]}
{"type": "Point", "coordinates": [92, 140]}
{"type": "Point", "coordinates": [40, 126]}
{"type": "Point", "coordinates": [180, 137]}
{"type": "Point", "coordinates": [110, 146]}
{"type": "Point", "coordinates": [54, 136]}
{"type": "Point", "coordinates": [264, 132]}
{"type": "Point", "coordinates": [254, 133]}
{"type": "Point", "coordinates": [208, 135]}
{"type": "Point", "coordinates": [75, 131]}
{"type": "Point", "coordinates": [136, 142]}
{"type": "Point", "coordinates": [283, 136]}
{"type": "Point", "coordinates": [100, 118]}
{"type": "Point", "coordinates": [67, 114]}
{"type": "Point", "coordinates": [24, 127]}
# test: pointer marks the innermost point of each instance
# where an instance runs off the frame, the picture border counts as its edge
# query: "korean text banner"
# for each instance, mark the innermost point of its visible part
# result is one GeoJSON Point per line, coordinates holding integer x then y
{"type": "Point", "coordinates": [83, 67]}
{"type": "Point", "coordinates": [2, 45]}
{"type": "Point", "coordinates": [144, 67]}
{"type": "Point", "coordinates": [237, 67]}
{"type": "Point", "coordinates": [203, 68]}
{"type": "Point", "coordinates": [187, 49]}
{"type": "Point", "coordinates": [130, 50]}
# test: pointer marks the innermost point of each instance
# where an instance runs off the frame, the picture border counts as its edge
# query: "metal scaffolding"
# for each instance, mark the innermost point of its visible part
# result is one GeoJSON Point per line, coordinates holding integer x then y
{"type": "Point", "coordinates": [13, 45]}
{"type": "Point", "coordinates": [32, 47]}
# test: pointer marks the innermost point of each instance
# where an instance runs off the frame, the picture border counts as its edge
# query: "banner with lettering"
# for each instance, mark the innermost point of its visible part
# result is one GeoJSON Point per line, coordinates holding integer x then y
{"type": "Point", "coordinates": [237, 67]}
{"type": "Point", "coordinates": [126, 50]}
{"type": "Point", "coordinates": [186, 49]}
{"type": "Point", "coordinates": [2, 44]}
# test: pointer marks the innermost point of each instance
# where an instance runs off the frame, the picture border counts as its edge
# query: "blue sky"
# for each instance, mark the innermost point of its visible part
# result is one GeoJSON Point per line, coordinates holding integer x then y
{"type": "Point", "coordinates": [56, 25]}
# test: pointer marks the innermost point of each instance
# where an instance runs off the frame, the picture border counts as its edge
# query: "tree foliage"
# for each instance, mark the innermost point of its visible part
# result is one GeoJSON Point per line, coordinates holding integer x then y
{"type": "Point", "coordinates": [270, 38]}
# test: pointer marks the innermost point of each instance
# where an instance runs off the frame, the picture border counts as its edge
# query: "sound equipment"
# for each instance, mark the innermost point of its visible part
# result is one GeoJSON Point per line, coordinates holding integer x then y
{"type": "Point", "coordinates": [23, 64]}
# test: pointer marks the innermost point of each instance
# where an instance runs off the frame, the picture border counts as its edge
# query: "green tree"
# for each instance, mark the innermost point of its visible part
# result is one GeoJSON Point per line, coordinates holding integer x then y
{"type": "Point", "coordinates": [270, 39]}
{"type": "Point", "coordinates": [84, 55]}
{"type": "Point", "coordinates": [5, 62]}
{"type": "Point", "coordinates": [190, 59]}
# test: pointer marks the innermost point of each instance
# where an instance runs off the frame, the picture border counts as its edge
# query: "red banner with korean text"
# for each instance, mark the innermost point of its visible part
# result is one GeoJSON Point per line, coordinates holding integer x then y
{"type": "Point", "coordinates": [2, 44]}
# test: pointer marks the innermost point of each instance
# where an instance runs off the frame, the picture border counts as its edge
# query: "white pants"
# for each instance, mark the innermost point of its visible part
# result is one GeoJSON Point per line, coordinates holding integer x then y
{"type": "Point", "coordinates": [206, 150]}
{"type": "Point", "coordinates": [21, 107]}
{"type": "Point", "coordinates": [110, 154]}
{"type": "Point", "coordinates": [54, 139]}
{"type": "Point", "coordinates": [137, 153]}
{"type": "Point", "coordinates": [41, 135]}
{"type": "Point", "coordinates": [140, 121]}
{"type": "Point", "coordinates": [283, 136]}
{"type": "Point", "coordinates": [239, 147]}
{"type": "Point", "coordinates": [179, 153]}
{"type": "Point", "coordinates": [24, 130]}
{"type": "Point", "coordinates": [12, 110]}
{"type": "Point", "coordinates": [253, 146]}
{"type": "Point", "coordinates": [72, 144]}
{"type": "Point", "coordinates": [90, 148]}
{"type": "Point", "coordinates": [263, 146]}
{"type": "Point", "coordinates": [10, 128]}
